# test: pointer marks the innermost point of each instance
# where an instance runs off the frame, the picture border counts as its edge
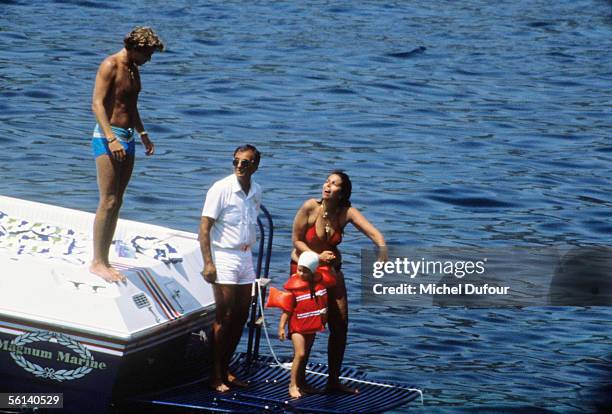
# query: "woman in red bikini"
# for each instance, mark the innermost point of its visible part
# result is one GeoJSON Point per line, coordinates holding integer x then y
{"type": "Point", "coordinates": [318, 227]}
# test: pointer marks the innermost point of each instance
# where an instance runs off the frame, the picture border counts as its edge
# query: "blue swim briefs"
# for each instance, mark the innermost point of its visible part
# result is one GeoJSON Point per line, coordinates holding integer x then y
{"type": "Point", "coordinates": [99, 143]}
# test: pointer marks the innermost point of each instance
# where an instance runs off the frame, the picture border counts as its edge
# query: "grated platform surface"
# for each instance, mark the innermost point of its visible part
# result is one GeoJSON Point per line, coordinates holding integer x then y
{"type": "Point", "coordinates": [267, 392]}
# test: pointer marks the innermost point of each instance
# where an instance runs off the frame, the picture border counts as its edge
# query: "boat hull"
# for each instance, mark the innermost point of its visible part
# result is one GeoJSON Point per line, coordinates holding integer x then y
{"type": "Point", "coordinates": [65, 330]}
{"type": "Point", "coordinates": [91, 377]}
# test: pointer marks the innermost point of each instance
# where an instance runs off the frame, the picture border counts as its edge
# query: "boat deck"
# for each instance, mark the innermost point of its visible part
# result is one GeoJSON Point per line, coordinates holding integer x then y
{"type": "Point", "coordinates": [268, 393]}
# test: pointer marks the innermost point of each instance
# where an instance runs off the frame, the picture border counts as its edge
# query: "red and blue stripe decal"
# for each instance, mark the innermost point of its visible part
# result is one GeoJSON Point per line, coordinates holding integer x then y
{"type": "Point", "coordinates": [154, 289]}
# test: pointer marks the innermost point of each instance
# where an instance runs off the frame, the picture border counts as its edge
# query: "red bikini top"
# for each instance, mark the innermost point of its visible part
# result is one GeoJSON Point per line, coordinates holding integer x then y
{"type": "Point", "coordinates": [311, 235]}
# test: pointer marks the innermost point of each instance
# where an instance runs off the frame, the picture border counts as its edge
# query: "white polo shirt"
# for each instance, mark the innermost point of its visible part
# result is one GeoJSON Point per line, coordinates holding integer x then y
{"type": "Point", "coordinates": [235, 213]}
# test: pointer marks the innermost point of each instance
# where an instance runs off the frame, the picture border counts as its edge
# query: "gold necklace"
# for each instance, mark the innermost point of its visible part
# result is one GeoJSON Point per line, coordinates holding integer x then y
{"type": "Point", "coordinates": [328, 227]}
{"type": "Point", "coordinates": [131, 71]}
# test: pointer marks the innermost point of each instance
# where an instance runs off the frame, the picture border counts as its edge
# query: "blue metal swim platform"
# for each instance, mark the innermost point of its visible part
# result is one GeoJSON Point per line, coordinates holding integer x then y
{"type": "Point", "coordinates": [267, 393]}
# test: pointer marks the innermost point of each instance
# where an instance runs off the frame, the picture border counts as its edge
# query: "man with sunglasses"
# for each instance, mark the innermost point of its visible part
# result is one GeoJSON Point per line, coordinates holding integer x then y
{"type": "Point", "coordinates": [228, 229]}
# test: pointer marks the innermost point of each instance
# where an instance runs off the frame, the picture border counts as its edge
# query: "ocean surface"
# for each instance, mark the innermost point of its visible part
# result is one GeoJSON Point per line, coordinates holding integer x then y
{"type": "Point", "coordinates": [468, 123]}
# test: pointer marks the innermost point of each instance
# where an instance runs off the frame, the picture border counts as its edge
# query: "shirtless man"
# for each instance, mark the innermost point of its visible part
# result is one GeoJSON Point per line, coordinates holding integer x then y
{"type": "Point", "coordinates": [115, 99]}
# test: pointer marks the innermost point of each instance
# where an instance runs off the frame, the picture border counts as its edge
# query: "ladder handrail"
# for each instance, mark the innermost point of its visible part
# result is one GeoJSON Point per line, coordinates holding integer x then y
{"type": "Point", "coordinates": [255, 314]}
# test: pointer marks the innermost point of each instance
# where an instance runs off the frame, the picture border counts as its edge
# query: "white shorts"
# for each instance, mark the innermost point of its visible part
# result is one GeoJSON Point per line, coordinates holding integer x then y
{"type": "Point", "coordinates": [234, 267]}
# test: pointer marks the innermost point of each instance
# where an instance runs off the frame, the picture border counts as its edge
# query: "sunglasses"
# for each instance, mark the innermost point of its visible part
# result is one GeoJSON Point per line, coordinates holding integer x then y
{"type": "Point", "coordinates": [242, 163]}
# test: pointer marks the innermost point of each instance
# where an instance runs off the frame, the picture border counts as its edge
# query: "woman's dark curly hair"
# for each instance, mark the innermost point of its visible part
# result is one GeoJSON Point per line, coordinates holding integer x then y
{"type": "Point", "coordinates": [346, 188]}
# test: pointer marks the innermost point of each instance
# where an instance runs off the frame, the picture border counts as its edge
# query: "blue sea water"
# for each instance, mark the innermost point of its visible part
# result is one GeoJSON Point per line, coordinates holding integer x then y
{"type": "Point", "coordinates": [469, 123]}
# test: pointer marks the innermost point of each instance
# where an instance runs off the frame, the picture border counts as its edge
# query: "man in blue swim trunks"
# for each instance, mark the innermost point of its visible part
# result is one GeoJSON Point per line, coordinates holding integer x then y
{"type": "Point", "coordinates": [115, 99]}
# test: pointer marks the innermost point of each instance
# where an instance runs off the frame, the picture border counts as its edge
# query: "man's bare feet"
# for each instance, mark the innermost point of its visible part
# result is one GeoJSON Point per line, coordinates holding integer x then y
{"type": "Point", "coordinates": [235, 382]}
{"type": "Point", "coordinates": [118, 274]}
{"type": "Point", "coordinates": [339, 387]}
{"type": "Point", "coordinates": [219, 386]}
{"type": "Point", "coordinates": [106, 272]}
{"type": "Point", "coordinates": [294, 391]}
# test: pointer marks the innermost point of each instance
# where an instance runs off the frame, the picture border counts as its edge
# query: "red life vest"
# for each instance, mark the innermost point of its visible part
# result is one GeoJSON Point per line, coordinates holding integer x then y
{"type": "Point", "coordinates": [308, 313]}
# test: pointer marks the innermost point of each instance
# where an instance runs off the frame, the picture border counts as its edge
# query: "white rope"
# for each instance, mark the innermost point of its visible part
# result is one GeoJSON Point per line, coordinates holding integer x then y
{"type": "Point", "coordinates": [287, 366]}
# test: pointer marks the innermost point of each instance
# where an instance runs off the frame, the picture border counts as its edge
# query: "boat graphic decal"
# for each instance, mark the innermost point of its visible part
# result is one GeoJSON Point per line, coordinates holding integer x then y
{"type": "Point", "coordinates": [149, 283]}
{"type": "Point", "coordinates": [167, 301]}
{"type": "Point", "coordinates": [80, 355]}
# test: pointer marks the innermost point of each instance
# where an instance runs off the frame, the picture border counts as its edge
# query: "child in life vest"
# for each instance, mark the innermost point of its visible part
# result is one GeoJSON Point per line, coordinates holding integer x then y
{"type": "Point", "coordinates": [305, 309]}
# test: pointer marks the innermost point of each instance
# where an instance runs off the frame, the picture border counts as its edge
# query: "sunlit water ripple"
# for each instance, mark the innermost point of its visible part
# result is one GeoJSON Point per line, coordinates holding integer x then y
{"type": "Point", "coordinates": [462, 123]}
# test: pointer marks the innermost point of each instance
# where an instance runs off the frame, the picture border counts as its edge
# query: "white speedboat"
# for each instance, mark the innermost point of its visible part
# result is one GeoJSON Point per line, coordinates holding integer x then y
{"type": "Point", "coordinates": [65, 330]}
